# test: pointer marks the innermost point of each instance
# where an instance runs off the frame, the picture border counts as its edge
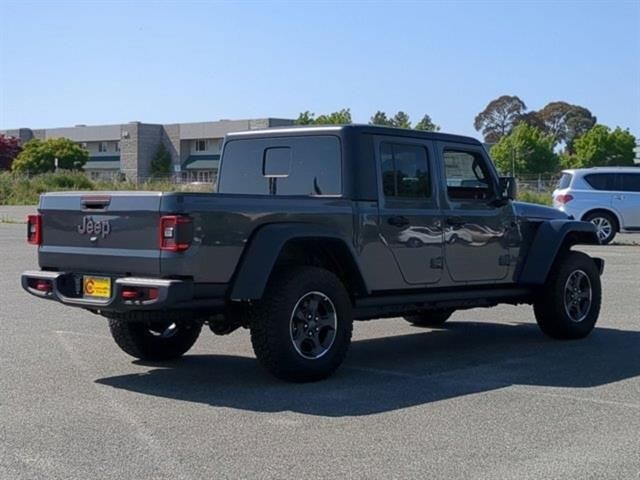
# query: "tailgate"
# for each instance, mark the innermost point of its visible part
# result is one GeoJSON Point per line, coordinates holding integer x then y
{"type": "Point", "coordinates": [101, 232]}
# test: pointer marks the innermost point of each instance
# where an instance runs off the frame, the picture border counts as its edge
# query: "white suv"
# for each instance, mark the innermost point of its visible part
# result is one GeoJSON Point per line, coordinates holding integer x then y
{"type": "Point", "coordinates": [609, 197]}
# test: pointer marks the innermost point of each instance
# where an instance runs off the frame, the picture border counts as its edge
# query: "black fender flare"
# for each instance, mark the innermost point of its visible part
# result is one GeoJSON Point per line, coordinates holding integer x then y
{"type": "Point", "coordinates": [262, 252]}
{"type": "Point", "coordinates": [547, 243]}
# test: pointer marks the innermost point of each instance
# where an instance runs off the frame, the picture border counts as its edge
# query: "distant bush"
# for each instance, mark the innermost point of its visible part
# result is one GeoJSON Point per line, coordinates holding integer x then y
{"type": "Point", "coordinates": [16, 189]}
{"type": "Point", "coordinates": [541, 198]}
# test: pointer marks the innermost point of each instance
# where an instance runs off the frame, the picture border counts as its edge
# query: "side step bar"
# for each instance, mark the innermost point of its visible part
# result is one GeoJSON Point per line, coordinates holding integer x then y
{"type": "Point", "coordinates": [394, 305]}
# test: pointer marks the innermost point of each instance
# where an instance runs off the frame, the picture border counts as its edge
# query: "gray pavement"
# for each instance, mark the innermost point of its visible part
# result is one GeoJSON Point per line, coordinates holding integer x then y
{"type": "Point", "coordinates": [487, 397]}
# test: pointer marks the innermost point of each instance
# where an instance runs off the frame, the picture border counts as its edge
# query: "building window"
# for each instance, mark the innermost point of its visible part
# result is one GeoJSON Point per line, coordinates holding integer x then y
{"type": "Point", "coordinates": [102, 147]}
{"type": "Point", "coordinates": [117, 146]}
{"type": "Point", "coordinates": [205, 176]}
{"type": "Point", "coordinates": [94, 175]}
{"type": "Point", "coordinates": [201, 145]}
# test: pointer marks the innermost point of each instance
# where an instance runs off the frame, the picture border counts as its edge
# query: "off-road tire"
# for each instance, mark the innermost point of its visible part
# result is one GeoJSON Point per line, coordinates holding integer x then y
{"type": "Point", "coordinates": [549, 308]}
{"type": "Point", "coordinates": [270, 322]}
{"type": "Point", "coordinates": [137, 337]}
{"type": "Point", "coordinates": [611, 219]}
{"type": "Point", "coordinates": [430, 318]}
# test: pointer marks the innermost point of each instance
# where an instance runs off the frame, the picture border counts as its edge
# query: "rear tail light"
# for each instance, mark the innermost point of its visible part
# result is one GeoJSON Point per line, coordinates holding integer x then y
{"type": "Point", "coordinates": [564, 198]}
{"type": "Point", "coordinates": [176, 233]}
{"type": "Point", "coordinates": [34, 229]}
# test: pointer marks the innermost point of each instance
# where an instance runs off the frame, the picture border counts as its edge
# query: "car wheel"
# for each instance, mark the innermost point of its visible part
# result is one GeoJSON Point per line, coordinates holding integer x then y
{"type": "Point", "coordinates": [569, 303]}
{"type": "Point", "coordinates": [430, 318]}
{"type": "Point", "coordinates": [154, 340]}
{"type": "Point", "coordinates": [606, 225]}
{"type": "Point", "coordinates": [301, 329]}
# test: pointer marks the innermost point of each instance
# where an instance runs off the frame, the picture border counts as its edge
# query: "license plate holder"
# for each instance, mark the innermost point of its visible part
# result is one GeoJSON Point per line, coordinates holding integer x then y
{"type": "Point", "coordinates": [96, 287]}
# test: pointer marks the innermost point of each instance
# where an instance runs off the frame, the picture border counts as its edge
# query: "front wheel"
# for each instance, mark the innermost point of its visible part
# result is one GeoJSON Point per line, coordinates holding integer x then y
{"type": "Point", "coordinates": [154, 340]}
{"type": "Point", "coordinates": [569, 303]}
{"type": "Point", "coordinates": [301, 329]}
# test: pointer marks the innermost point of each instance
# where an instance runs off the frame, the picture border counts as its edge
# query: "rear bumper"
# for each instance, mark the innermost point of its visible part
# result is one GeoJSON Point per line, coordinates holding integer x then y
{"type": "Point", "coordinates": [172, 294]}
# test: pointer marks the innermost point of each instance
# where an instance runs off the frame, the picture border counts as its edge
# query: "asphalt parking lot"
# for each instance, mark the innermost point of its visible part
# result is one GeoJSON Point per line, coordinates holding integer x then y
{"type": "Point", "coordinates": [486, 397]}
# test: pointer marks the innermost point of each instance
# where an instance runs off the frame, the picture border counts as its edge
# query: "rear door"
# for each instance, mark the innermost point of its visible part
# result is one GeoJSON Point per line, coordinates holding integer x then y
{"type": "Point", "coordinates": [475, 230]}
{"type": "Point", "coordinates": [627, 199]}
{"type": "Point", "coordinates": [410, 220]}
{"type": "Point", "coordinates": [101, 232]}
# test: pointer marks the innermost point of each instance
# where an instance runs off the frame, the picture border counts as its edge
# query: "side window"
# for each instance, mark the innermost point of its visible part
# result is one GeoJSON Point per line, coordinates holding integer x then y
{"type": "Point", "coordinates": [601, 181]}
{"type": "Point", "coordinates": [405, 171]}
{"type": "Point", "coordinates": [630, 182]}
{"type": "Point", "coordinates": [466, 174]}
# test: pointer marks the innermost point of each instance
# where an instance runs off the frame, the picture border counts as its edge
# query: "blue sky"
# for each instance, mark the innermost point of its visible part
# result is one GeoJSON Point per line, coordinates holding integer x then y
{"type": "Point", "coordinates": [64, 63]}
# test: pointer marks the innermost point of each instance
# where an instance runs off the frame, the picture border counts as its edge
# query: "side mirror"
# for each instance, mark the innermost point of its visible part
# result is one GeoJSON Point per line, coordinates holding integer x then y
{"type": "Point", "coordinates": [508, 188]}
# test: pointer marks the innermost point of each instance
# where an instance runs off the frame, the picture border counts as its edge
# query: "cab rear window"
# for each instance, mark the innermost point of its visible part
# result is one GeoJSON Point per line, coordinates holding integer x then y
{"type": "Point", "coordinates": [302, 166]}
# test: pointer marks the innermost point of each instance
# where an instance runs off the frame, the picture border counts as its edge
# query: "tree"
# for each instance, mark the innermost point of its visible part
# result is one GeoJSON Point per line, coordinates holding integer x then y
{"type": "Point", "coordinates": [525, 150]}
{"type": "Point", "coordinates": [380, 118]}
{"type": "Point", "coordinates": [341, 117]}
{"type": "Point", "coordinates": [601, 147]}
{"type": "Point", "coordinates": [499, 117]}
{"type": "Point", "coordinates": [38, 156]}
{"type": "Point", "coordinates": [401, 120]}
{"type": "Point", "coordinates": [565, 122]}
{"type": "Point", "coordinates": [161, 162]}
{"type": "Point", "coordinates": [9, 150]}
{"type": "Point", "coordinates": [427, 125]}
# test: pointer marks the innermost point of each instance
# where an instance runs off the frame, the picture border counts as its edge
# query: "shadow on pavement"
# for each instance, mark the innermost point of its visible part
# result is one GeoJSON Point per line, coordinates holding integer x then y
{"type": "Point", "coordinates": [391, 373]}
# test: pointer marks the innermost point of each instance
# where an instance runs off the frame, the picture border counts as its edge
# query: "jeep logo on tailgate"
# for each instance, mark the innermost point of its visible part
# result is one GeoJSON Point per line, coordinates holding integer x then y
{"type": "Point", "coordinates": [89, 226]}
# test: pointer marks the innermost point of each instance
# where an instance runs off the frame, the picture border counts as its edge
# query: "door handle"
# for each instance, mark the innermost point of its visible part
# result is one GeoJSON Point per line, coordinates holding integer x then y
{"type": "Point", "coordinates": [455, 221]}
{"type": "Point", "coordinates": [618, 197]}
{"type": "Point", "coordinates": [398, 221]}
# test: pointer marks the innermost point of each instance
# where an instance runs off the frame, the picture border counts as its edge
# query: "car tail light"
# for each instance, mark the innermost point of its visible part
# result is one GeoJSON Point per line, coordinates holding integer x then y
{"type": "Point", "coordinates": [34, 229]}
{"type": "Point", "coordinates": [176, 233]}
{"type": "Point", "coordinates": [564, 198]}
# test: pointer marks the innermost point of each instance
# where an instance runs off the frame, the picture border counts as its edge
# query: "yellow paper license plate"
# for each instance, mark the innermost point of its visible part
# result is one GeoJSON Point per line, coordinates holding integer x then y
{"type": "Point", "coordinates": [97, 287]}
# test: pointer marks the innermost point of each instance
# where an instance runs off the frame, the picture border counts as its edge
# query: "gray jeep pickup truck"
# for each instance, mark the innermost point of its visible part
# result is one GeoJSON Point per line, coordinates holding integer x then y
{"type": "Point", "coordinates": [311, 229]}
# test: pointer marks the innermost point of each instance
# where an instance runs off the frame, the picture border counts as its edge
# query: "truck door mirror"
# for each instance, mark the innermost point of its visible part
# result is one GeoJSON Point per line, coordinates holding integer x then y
{"type": "Point", "coordinates": [508, 188]}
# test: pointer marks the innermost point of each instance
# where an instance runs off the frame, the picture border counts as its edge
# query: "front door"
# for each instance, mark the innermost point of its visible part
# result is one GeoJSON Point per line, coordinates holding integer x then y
{"type": "Point", "coordinates": [475, 229]}
{"type": "Point", "coordinates": [410, 221]}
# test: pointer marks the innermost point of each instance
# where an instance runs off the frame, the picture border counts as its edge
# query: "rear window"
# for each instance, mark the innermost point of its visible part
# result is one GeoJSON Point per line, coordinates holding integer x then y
{"type": "Point", "coordinates": [565, 181]}
{"type": "Point", "coordinates": [309, 166]}
{"type": "Point", "coordinates": [601, 181]}
{"type": "Point", "coordinates": [630, 182]}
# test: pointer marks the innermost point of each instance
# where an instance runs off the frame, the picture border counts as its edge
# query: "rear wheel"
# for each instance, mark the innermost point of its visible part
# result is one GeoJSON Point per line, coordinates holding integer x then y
{"type": "Point", "coordinates": [606, 225]}
{"type": "Point", "coordinates": [301, 329]}
{"type": "Point", "coordinates": [154, 340]}
{"type": "Point", "coordinates": [430, 318]}
{"type": "Point", "coordinates": [569, 304]}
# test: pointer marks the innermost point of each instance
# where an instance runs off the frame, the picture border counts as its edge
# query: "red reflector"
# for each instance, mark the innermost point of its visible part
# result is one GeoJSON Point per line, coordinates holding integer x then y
{"type": "Point", "coordinates": [34, 229]}
{"type": "Point", "coordinates": [564, 198]}
{"type": "Point", "coordinates": [43, 285]}
{"type": "Point", "coordinates": [130, 293]}
{"type": "Point", "coordinates": [139, 293]}
{"type": "Point", "coordinates": [176, 233]}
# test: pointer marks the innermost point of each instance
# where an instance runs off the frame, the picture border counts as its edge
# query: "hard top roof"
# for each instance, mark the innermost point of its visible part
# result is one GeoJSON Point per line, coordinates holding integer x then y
{"type": "Point", "coordinates": [352, 128]}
